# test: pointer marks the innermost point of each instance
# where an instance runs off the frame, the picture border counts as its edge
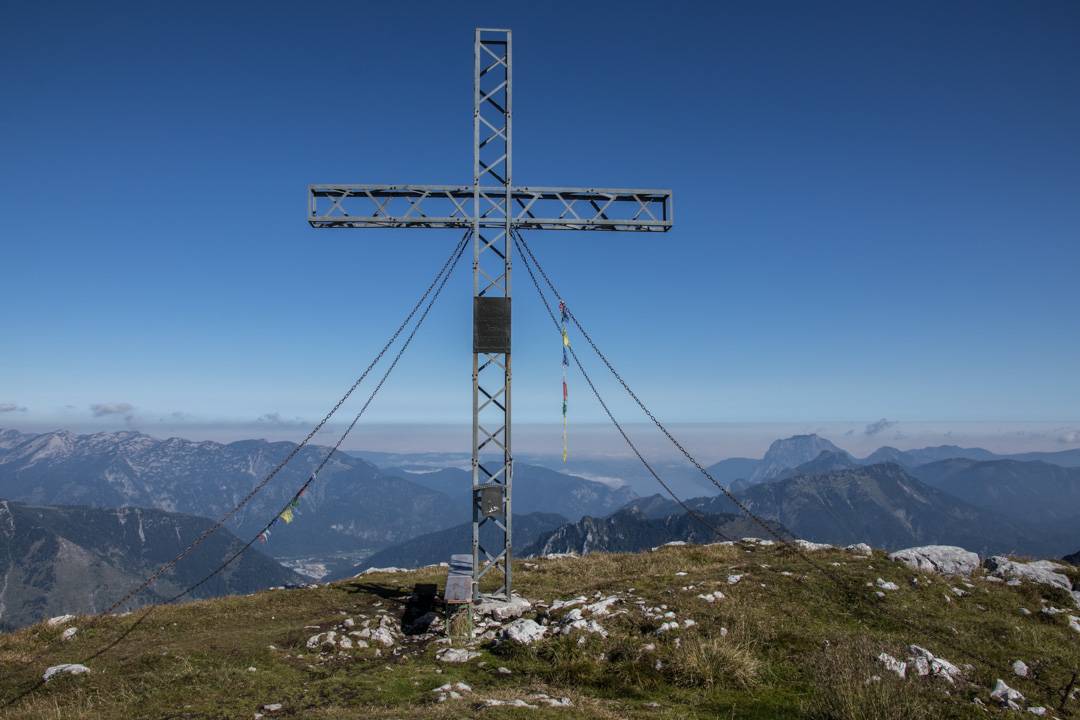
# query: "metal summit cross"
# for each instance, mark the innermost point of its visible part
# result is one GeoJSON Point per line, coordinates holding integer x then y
{"type": "Point", "coordinates": [493, 209]}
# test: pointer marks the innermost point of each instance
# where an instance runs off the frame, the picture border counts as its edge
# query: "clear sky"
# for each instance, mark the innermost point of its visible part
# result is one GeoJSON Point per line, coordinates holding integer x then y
{"type": "Point", "coordinates": [877, 208]}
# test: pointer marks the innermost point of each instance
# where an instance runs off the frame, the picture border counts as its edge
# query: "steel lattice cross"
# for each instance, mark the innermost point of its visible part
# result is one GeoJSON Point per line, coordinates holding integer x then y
{"type": "Point", "coordinates": [492, 208]}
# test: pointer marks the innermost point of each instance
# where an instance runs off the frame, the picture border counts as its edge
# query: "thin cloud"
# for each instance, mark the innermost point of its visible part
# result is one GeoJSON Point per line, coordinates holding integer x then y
{"type": "Point", "coordinates": [275, 418]}
{"type": "Point", "coordinates": [104, 409]}
{"type": "Point", "coordinates": [1069, 437]}
{"type": "Point", "coordinates": [177, 416]}
{"type": "Point", "coordinates": [11, 407]}
{"type": "Point", "coordinates": [879, 426]}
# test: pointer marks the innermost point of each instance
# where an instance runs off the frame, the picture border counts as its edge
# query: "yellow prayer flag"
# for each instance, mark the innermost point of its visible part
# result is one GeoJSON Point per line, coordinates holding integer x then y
{"type": "Point", "coordinates": [287, 516]}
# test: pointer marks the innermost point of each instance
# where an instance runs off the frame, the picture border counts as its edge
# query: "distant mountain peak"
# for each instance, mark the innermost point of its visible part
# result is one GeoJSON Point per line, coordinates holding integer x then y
{"type": "Point", "coordinates": [788, 453]}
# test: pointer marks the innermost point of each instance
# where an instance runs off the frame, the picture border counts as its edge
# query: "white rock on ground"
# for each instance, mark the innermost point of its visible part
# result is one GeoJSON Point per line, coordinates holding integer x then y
{"type": "Point", "coordinates": [500, 609]}
{"type": "Point", "coordinates": [811, 546]}
{"type": "Point", "coordinates": [524, 631]}
{"type": "Point", "coordinates": [673, 543]}
{"type": "Point", "coordinates": [1037, 710]}
{"type": "Point", "coordinates": [559, 604]}
{"type": "Point", "coordinates": [455, 655]}
{"type": "Point", "coordinates": [886, 584]}
{"type": "Point", "coordinates": [893, 665]}
{"type": "Point", "coordinates": [59, 620]}
{"type": "Point", "coordinates": [733, 579]}
{"type": "Point", "coordinates": [1040, 571]}
{"type": "Point", "coordinates": [925, 663]}
{"type": "Point", "coordinates": [551, 701]}
{"type": "Point", "coordinates": [372, 571]}
{"type": "Point", "coordinates": [64, 669]}
{"type": "Point", "coordinates": [590, 626]}
{"type": "Point", "coordinates": [383, 636]}
{"type": "Point", "coordinates": [1006, 696]}
{"type": "Point", "coordinates": [861, 549]}
{"type": "Point", "coordinates": [69, 633]}
{"type": "Point", "coordinates": [1074, 622]}
{"type": "Point", "coordinates": [451, 691]}
{"type": "Point", "coordinates": [509, 703]}
{"type": "Point", "coordinates": [1020, 668]}
{"type": "Point", "coordinates": [602, 607]}
{"type": "Point", "coordinates": [712, 597]}
{"type": "Point", "coordinates": [941, 559]}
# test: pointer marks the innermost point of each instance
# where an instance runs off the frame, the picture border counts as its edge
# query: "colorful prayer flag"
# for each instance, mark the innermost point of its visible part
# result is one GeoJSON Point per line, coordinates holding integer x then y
{"type": "Point", "coordinates": [287, 515]}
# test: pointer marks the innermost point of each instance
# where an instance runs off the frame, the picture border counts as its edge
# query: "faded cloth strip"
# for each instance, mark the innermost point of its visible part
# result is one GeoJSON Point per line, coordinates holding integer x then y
{"type": "Point", "coordinates": [565, 392]}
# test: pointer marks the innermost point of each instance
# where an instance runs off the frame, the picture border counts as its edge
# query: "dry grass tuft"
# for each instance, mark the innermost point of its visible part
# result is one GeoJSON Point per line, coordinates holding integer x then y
{"type": "Point", "coordinates": [710, 660]}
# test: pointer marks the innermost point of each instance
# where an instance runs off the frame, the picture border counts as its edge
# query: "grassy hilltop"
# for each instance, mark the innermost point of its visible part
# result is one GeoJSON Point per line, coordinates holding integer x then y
{"type": "Point", "coordinates": [783, 642]}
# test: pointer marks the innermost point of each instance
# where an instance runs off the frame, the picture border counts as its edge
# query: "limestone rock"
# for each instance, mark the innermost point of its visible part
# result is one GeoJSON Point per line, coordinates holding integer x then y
{"type": "Point", "coordinates": [1006, 696]}
{"type": "Point", "coordinates": [64, 669]}
{"type": "Point", "coordinates": [941, 559]}
{"type": "Point", "coordinates": [893, 665]}
{"type": "Point", "coordinates": [456, 655]}
{"type": "Point", "coordinates": [926, 663]}
{"type": "Point", "coordinates": [501, 609]}
{"type": "Point", "coordinates": [524, 631]}
{"type": "Point", "coordinates": [1039, 571]}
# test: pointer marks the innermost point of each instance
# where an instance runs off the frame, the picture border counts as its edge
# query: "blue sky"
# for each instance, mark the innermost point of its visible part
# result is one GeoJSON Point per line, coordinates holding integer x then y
{"type": "Point", "coordinates": [877, 210]}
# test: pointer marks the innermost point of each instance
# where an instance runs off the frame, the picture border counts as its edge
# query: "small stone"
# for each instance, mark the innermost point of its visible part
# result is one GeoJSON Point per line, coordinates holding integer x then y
{"type": "Point", "coordinates": [64, 669]}
{"type": "Point", "coordinates": [887, 585]}
{"type": "Point", "coordinates": [251, 669]}
{"type": "Point", "coordinates": [69, 633]}
{"type": "Point", "coordinates": [456, 655]}
{"type": "Point", "coordinates": [1020, 668]}
{"type": "Point", "coordinates": [892, 664]}
{"type": "Point", "coordinates": [503, 670]}
{"type": "Point", "coordinates": [272, 707]}
{"type": "Point", "coordinates": [1006, 696]}
{"type": "Point", "coordinates": [59, 620]}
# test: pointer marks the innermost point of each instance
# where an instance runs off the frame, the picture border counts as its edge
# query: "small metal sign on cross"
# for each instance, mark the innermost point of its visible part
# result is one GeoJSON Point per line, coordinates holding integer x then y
{"type": "Point", "coordinates": [493, 209]}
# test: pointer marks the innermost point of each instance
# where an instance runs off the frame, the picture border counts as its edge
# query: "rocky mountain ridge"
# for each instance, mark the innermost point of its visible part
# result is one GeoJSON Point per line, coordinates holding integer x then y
{"type": "Point", "coordinates": [354, 507]}
{"type": "Point", "coordinates": [62, 559]}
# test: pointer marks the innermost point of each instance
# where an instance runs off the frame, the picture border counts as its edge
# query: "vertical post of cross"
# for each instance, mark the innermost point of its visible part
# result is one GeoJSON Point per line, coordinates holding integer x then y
{"type": "Point", "coordinates": [492, 459]}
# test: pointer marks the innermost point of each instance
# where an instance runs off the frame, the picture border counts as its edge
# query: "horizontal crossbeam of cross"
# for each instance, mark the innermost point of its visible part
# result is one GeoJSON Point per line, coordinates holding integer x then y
{"type": "Point", "coordinates": [451, 206]}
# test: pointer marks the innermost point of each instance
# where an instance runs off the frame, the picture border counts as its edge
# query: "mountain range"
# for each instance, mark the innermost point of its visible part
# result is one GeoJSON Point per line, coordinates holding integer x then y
{"type": "Point", "coordinates": [414, 510]}
{"type": "Point", "coordinates": [834, 500]}
{"type": "Point", "coordinates": [56, 560]}
{"type": "Point", "coordinates": [632, 530]}
{"type": "Point", "coordinates": [353, 508]}
{"type": "Point", "coordinates": [786, 454]}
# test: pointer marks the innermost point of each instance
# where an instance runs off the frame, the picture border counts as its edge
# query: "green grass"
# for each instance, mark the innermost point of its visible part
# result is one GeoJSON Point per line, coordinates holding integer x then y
{"type": "Point", "coordinates": [796, 646]}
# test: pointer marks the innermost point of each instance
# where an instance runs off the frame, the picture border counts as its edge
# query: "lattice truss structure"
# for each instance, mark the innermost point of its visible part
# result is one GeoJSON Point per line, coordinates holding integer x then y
{"type": "Point", "coordinates": [492, 208]}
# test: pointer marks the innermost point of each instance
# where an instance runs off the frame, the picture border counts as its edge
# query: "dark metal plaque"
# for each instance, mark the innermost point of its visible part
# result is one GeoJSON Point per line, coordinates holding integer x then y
{"type": "Point", "coordinates": [490, 499]}
{"type": "Point", "coordinates": [491, 325]}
